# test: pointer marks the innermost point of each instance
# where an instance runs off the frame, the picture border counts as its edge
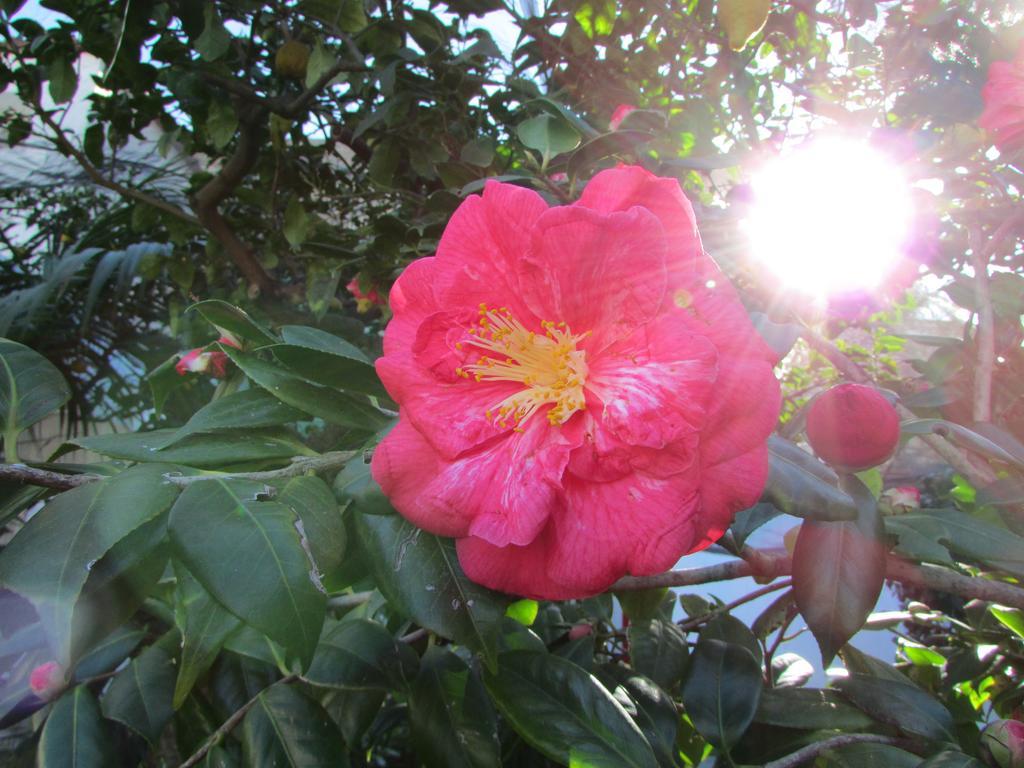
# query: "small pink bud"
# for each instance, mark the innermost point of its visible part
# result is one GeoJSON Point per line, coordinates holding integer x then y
{"type": "Point", "coordinates": [47, 680]}
{"type": "Point", "coordinates": [1002, 744]}
{"type": "Point", "coordinates": [619, 115]}
{"type": "Point", "coordinates": [364, 301]}
{"type": "Point", "coordinates": [580, 630]}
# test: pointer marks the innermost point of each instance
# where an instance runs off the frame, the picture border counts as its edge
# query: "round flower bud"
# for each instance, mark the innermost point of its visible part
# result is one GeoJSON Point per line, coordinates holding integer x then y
{"type": "Point", "coordinates": [853, 427]}
{"type": "Point", "coordinates": [47, 680]}
{"type": "Point", "coordinates": [1002, 744]}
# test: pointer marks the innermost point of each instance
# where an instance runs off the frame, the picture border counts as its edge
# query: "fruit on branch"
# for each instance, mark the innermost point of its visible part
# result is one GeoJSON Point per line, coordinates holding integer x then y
{"type": "Point", "coordinates": [291, 60]}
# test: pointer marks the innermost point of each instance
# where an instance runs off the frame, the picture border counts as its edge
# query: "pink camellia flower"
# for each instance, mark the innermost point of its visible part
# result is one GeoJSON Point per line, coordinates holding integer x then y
{"type": "Point", "coordinates": [46, 680]}
{"type": "Point", "coordinates": [582, 394]}
{"type": "Point", "coordinates": [619, 115]}
{"type": "Point", "coordinates": [1003, 95]}
{"type": "Point", "coordinates": [212, 362]}
{"type": "Point", "coordinates": [364, 301]}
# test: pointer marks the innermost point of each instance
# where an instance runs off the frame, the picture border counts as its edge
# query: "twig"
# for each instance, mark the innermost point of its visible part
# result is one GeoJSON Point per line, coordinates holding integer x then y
{"type": "Point", "coordinates": [985, 337]}
{"type": "Point", "coordinates": [230, 723]}
{"type": "Point", "coordinates": [300, 465]}
{"type": "Point", "coordinates": [773, 564]}
{"type": "Point", "coordinates": [350, 601]}
{"type": "Point", "coordinates": [811, 751]}
{"type": "Point", "coordinates": [21, 473]}
{"type": "Point", "coordinates": [767, 590]}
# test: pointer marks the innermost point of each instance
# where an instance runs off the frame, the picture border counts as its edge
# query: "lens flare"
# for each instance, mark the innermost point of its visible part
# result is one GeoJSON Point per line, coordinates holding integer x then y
{"type": "Point", "coordinates": [829, 217]}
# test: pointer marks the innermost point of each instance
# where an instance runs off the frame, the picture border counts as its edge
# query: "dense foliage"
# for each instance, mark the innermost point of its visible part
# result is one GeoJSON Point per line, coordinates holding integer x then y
{"type": "Point", "coordinates": [226, 585]}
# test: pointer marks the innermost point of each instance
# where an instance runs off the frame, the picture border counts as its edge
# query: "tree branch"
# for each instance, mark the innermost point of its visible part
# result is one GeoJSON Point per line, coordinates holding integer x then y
{"type": "Point", "coordinates": [21, 473]}
{"type": "Point", "coordinates": [811, 751]}
{"type": "Point", "coordinates": [773, 564]}
{"type": "Point", "coordinates": [230, 724]}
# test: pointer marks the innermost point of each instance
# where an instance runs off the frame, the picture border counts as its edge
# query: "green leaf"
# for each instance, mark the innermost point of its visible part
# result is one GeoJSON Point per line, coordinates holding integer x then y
{"type": "Point", "coordinates": [1010, 618]}
{"type": "Point", "coordinates": [30, 389]}
{"type": "Point", "coordinates": [297, 223]}
{"type": "Point", "coordinates": [867, 755]}
{"type": "Point", "coordinates": [749, 520]}
{"type": "Point", "coordinates": [330, 369]}
{"type": "Point", "coordinates": [234, 320]}
{"type": "Point", "coordinates": [384, 163]}
{"type": "Point", "coordinates": [811, 709]}
{"type": "Point", "coordinates": [420, 576]}
{"type": "Point", "coordinates": [220, 451]}
{"type": "Point", "coordinates": [314, 338]}
{"type": "Point", "coordinates": [221, 123]}
{"type": "Point", "coordinates": [204, 623]}
{"type": "Point", "coordinates": [361, 655]}
{"type": "Point", "coordinates": [565, 713]}
{"type": "Point", "coordinates": [722, 691]}
{"type": "Point", "coordinates": [49, 560]}
{"type": "Point", "coordinates": [950, 759]}
{"type": "Point", "coordinates": [140, 695]}
{"type": "Point", "coordinates": [658, 650]}
{"type": "Point", "coordinates": [329, 404]}
{"type": "Point", "coordinates": [963, 435]}
{"type": "Point", "coordinates": [323, 526]}
{"type": "Point", "coordinates": [839, 571]}
{"type": "Point", "coordinates": [548, 134]}
{"type": "Point", "coordinates": [63, 80]}
{"type": "Point", "coordinates": [479, 152]}
{"type": "Point", "coordinates": [964, 535]}
{"type": "Point", "coordinates": [523, 611]}
{"type": "Point", "coordinates": [623, 142]}
{"type": "Point", "coordinates": [74, 735]}
{"type": "Point", "coordinates": [249, 409]}
{"type": "Point", "coordinates": [728, 629]}
{"type": "Point", "coordinates": [215, 40]}
{"type": "Point", "coordinates": [108, 654]}
{"type": "Point", "coordinates": [321, 288]}
{"type": "Point", "coordinates": [247, 554]}
{"type": "Point", "coordinates": [320, 61]}
{"type": "Point", "coordinates": [651, 708]}
{"type": "Point", "coordinates": [451, 719]}
{"type": "Point", "coordinates": [287, 729]}
{"type": "Point", "coordinates": [355, 487]}
{"type": "Point", "coordinates": [902, 705]}
{"type": "Point", "coordinates": [799, 484]}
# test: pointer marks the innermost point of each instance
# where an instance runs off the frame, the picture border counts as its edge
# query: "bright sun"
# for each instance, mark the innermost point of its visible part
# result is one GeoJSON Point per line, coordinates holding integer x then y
{"type": "Point", "coordinates": [829, 217]}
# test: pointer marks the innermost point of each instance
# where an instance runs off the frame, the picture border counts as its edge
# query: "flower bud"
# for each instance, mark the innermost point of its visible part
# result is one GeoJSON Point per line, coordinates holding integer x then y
{"type": "Point", "coordinates": [364, 301]}
{"type": "Point", "coordinates": [1002, 744]}
{"type": "Point", "coordinates": [47, 680]}
{"type": "Point", "coordinates": [853, 427]}
{"type": "Point", "coordinates": [901, 500]}
{"type": "Point", "coordinates": [211, 362]}
{"type": "Point", "coordinates": [580, 630]}
{"type": "Point", "coordinates": [619, 115]}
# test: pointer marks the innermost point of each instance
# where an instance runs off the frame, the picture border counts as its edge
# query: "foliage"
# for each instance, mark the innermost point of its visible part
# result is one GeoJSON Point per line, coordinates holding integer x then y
{"type": "Point", "coordinates": [227, 582]}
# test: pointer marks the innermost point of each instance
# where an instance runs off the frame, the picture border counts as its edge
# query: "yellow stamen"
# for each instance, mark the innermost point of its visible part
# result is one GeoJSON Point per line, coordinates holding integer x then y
{"type": "Point", "coordinates": [550, 367]}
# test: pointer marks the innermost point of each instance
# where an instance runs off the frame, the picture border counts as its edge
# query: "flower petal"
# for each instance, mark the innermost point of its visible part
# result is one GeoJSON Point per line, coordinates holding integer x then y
{"type": "Point", "coordinates": [744, 411]}
{"type": "Point", "coordinates": [727, 488]}
{"type": "Point", "coordinates": [599, 273]}
{"type": "Point", "coordinates": [503, 493]}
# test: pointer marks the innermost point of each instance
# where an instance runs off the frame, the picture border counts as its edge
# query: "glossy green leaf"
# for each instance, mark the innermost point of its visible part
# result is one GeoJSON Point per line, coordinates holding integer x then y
{"type": "Point", "coordinates": [311, 499]}
{"type": "Point", "coordinates": [248, 555]}
{"type": "Point", "coordinates": [329, 404]}
{"type": "Point", "coordinates": [961, 434]}
{"type": "Point", "coordinates": [355, 487]}
{"type": "Point", "coordinates": [800, 485]}
{"type": "Point", "coordinates": [452, 722]}
{"type": "Point", "coordinates": [286, 729]}
{"type": "Point", "coordinates": [420, 575]}
{"type": "Point", "coordinates": [809, 709]}
{"type": "Point", "coordinates": [30, 389]}
{"type": "Point", "coordinates": [729, 629]}
{"type": "Point", "coordinates": [75, 735]}
{"type": "Point", "coordinates": [587, 156]}
{"type": "Point", "coordinates": [250, 409]}
{"type": "Point", "coordinates": [63, 80]}
{"type": "Point", "coordinates": [658, 650]}
{"type": "Point", "coordinates": [548, 134]}
{"type": "Point", "coordinates": [951, 759]}
{"type": "Point", "coordinates": [330, 369]}
{"type": "Point", "coordinates": [651, 708]}
{"type": "Point", "coordinates": [140, 695]}
{"type": "Point", "coordinates": [565, 713]}
{"type": "Point", "coordinates": [297, 223]}
{"type": "Point", "coordinates": [361, 655]}
{"type": "Point", "coordinates": [322, 341]}
{"type": "Point", "coordinates": [839, 571]}
{"type": "Point", "coordinates": [204, 624]}
{"type": "Point", "coordinates": [902, 705]}
{"type": "Point", "coordinates": [523, 611]}
{"type": "Point", "coordinates": [221, 123]}
{"type": "Point", "coordinates": [722, 691]}
{"type": "Point", "coordinates": [109, 653]}
{"type": "Point", "coordinates": [749, 520]}
{"type": "Point", "coordinates": [49, 560]}
{"type": "Point", "coordinates": [233, 320]}
{"type": "Point", "coordinates": [214, 451]}
{"type": "Point", "coordinates": [215, 40]}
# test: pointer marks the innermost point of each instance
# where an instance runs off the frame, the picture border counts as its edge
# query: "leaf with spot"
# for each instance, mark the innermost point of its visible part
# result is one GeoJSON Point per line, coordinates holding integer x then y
{"type": "Point", "coordinates": [248, 555]}
{"type": "Point", "coordinates": [49, 560]}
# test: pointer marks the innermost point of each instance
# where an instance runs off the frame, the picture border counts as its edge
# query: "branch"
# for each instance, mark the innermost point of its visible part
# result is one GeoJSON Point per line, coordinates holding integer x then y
{"type": "Point", "coordinates": [811, 751]}
{"type": "Point", "coordinates": [230, 724]}
{"type": "Point", "coordinates": [985, 338]}
{"type": "Point", "coordinates": [21, 473]}
{"type": "Point", "coordinates": [300, 465]}
{"type": "Point", "coordinates": [773, 564]}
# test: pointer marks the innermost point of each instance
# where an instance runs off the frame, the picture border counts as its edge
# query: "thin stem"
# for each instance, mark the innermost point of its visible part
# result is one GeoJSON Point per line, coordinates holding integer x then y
{"type": "Point", "coordinates": [11, 445]}
{"type": "Point", "coordinates": [985, 338]}
{"type": "Point", "coordinates": [20, 473]}
{"type": "Point", "coordinates": [811, 751]}
{"type": "Point", "coordinates": [750, 596]}
{"type": "Point", "coordinates": [230, 723]}
{"type": "Point", "coordinates": [300, 466]}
